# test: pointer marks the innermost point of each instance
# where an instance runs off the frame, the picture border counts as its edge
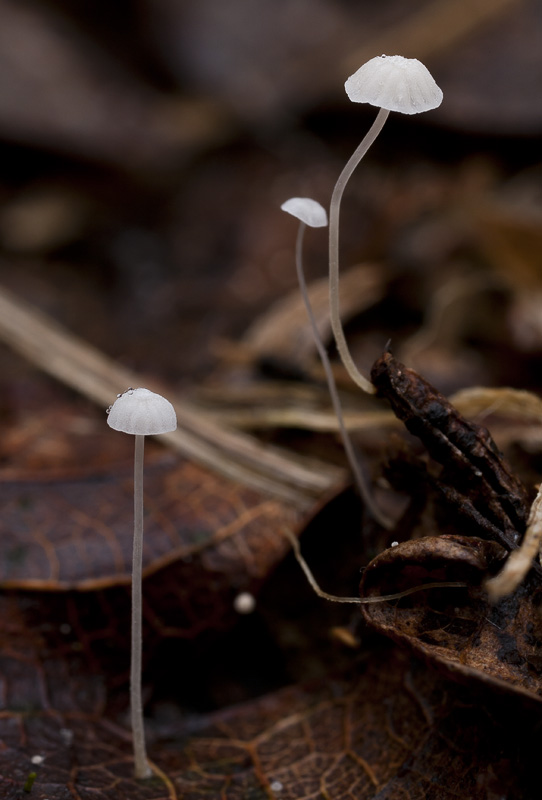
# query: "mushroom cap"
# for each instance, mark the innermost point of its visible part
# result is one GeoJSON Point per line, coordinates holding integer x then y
{"type": "Point", "coordinates": [395, 83]}
{"type": "Point", "coordinates": [142, 413]}
{"type": "Point", "coordinates": [306, 210]}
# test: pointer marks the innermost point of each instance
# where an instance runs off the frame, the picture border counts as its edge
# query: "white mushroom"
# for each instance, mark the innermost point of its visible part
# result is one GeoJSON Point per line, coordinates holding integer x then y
{"type": "Point", "coordinates": [307, 211]}
{"type": "Point", "coordinates": [142, 413]}
{"type": "Point", "coordinates": [395, 84]}
{"type": "Point", "coordinates": [392, 83]}
{"type": "Point", "coordinates": [311, 213]}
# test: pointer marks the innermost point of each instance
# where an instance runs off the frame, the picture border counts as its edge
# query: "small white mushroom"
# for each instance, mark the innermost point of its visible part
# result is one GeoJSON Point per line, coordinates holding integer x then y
{"type": "Point", "coordinates": [396, 84]}
{"type": "Point", "coordinates": [307, 211]}
{"type": "Point", "coordinates": [392, 83]}
{"type": "Point", "coordinates": [311, 213]}
{"type": "Point", "coordinates": [142, 413]}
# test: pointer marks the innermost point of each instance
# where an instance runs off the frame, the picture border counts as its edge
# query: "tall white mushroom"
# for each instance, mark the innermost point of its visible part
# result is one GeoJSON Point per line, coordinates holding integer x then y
{"type": "Point", "coordinates": [311, 213]}
{"type": "Point", "coordinates": [141, 413]}
{"type": "Point", "coordinates": [392, 83]}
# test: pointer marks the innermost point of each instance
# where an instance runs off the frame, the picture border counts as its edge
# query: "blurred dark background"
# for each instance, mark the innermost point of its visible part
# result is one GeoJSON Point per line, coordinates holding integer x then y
{"type": "Point", "coordinates": [146, 146]}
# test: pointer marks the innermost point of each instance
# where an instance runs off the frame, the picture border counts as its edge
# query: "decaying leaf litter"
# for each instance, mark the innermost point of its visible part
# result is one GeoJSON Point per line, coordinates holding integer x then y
{"type": "Point", "coordinates": [441, 268]}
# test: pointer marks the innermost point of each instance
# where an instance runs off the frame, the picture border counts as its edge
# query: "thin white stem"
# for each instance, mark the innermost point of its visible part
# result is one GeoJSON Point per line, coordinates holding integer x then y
{"type": "Point", "coordinates": [359, 478]}
{"type": "Point", "coordinates": [334, 212]}
{"type": "Point", "coordinates": [141, 766]}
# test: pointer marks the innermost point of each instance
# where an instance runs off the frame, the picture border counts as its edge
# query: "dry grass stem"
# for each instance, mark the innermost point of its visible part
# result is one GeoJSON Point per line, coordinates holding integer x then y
{"type": "Point", "coordinates": [480, 400]}
{"type": "Point", "coordinates": [51, 348]}
{"type": "Point", "coordinates": [520, 561]}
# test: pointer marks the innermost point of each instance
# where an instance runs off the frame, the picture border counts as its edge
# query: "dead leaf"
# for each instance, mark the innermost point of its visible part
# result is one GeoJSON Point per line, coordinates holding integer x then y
{"type": "Point", "coordinates": [475, 478]}
{"type": "Point", "coordinates": [459, 629]}
{"type": "Point", "coordinates": [387, 728]}
{"type": "Point", "coordinates": [77, 533]}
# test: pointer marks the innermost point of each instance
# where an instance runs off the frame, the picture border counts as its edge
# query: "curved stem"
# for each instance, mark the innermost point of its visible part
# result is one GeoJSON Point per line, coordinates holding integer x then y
{"type": "Point", "coordinates": [141, 766]}
{"type": "Point", "coordinates": [382, 598]}
{"type": "Point", "coordinates": [361, 483]}
{"type": "Point", "coordinates": [334, 212]}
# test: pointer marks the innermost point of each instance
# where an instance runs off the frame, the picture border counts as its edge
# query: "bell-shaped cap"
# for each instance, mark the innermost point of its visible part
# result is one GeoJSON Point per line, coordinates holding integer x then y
{"type": "Point", "coordinates": [306, 210]}
{"type": "Point", "coordinates": [394, 83]}
{"type": "Point", "coordinates": [142, 413]}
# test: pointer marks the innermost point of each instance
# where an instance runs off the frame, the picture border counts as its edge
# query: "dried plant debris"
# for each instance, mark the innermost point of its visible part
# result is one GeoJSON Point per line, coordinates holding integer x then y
{"type": "Point", "coordinates": [467, 630]}
{"type": "Point", "coordinates": [520, 561]}
{"type": "Point", "coordinates": [455, 627]}
{"type": "Point", "coordinates": [474, 477]}
{"type": "Point", "coordinates": [283, 332]}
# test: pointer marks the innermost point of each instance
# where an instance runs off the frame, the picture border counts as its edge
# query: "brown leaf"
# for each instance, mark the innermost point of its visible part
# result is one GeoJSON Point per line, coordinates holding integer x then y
{"type": "Point", "coordinates": [475, 479]}
{"type": "Point", "coordinates": [378, 733]}
{"type": "Point", "coordinates": [458, 628]}
{"type": "Point", "coordinates": [77, 534]}
{"type": "Point", "coordinates": [389, 729]}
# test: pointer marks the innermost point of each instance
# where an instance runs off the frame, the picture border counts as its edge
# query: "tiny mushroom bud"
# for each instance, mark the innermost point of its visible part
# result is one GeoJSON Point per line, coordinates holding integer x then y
{"type": "Point", "coordinates": [142, 413]}
{"type": "Point", "coordinates": [309, 212]}
{"type": "Point", "coordinates": [392, 83]}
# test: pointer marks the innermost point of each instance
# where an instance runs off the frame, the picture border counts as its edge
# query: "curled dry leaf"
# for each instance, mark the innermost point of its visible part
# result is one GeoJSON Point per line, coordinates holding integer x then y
{"type": "Point", "coordinates": [459, 628]}
{"type": "Point", "coordinates": [501, 644]}
{"type": "Point", "coordinates": [475, 478]}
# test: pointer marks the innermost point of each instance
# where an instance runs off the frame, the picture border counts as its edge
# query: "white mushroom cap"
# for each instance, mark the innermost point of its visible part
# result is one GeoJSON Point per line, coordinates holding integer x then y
{"type": "Point", "coordinates": [142, 413]}
{"type": "Point", "coordinates": [394, 83]}
{"type": "Point", "coordinates": [306, 210]}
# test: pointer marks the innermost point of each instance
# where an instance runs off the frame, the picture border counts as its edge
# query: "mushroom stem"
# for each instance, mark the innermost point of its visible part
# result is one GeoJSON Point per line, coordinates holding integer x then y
{"type": "Point", "coordinates": [359, 478]}
{"type": "Point", "coordinates": [142, 769]}
{"type": "Point", "coordinates": [334, 212]}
